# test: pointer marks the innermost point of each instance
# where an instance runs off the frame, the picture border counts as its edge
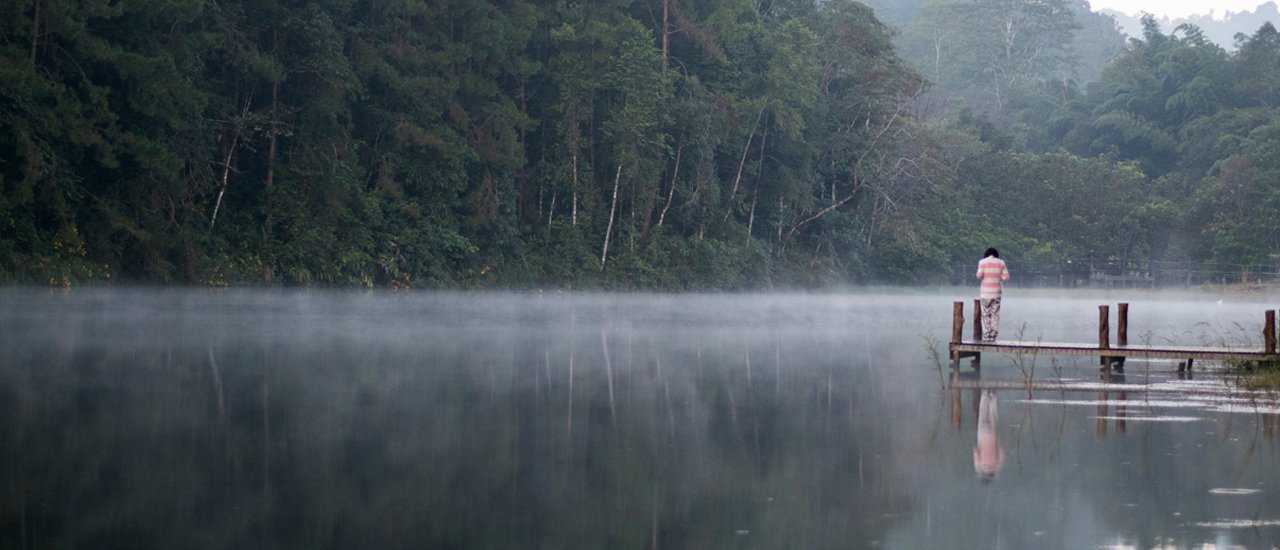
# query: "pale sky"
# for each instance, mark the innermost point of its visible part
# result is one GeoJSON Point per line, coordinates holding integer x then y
{"type": "Point", "coordinates": [1177, 8]}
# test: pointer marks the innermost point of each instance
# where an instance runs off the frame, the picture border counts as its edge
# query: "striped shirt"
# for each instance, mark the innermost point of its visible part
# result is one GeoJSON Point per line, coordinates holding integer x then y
{"type": "Point", "coordinates": [993, 272]}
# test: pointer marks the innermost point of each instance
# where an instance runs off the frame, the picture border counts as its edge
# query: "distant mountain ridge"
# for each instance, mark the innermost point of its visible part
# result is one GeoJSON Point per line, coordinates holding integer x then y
{"type": "Point", "coordinates": [1221, 31]}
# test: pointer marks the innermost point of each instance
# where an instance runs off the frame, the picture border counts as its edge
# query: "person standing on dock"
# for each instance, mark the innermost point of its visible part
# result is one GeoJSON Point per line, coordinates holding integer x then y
{"type": "Point", "coordinates": [993, 273]}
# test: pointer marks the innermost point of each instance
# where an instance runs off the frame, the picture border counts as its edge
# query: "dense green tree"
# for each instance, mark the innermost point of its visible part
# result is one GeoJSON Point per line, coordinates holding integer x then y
{"type": "Point", "coordinates": [1147, 95]}
{"type": "Point", "coordinates": [1240, 198]}
{"type": "Point", "coordinates": [102, 117]}
{"type": "Point", "coordinates": [1257, 80]}
{"type": "Point", "coordinates": [620, 144]}
{"type": "Point", "coordinates": [868, 182]}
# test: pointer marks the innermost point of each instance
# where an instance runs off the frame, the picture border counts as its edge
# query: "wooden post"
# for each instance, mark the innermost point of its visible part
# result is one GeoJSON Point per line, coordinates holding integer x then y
{"type": "Point", "coordinates": [977, 320]}
{"type": "Point", "coordinates": [957, 321]}
{"type": "Point", "coordinates": [1104, 334]}
{"type": "Point", "coordinates": [1269, 332]}
{"type": "Point", "coordinates": [1122, 331]}
{"type": "Point", "coordinates": [1122, 324]}
{"type": "Point", "coordinates": [957, 330]}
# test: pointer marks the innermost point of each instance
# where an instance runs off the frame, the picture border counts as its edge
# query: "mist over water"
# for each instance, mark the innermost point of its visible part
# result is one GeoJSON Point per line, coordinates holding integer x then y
{"type": "Point", "coordinates": [337, 419]}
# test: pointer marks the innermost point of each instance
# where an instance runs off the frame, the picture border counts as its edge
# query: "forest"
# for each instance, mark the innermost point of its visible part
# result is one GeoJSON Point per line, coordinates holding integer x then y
{"type": "Point", "coordinates": [620, 144]}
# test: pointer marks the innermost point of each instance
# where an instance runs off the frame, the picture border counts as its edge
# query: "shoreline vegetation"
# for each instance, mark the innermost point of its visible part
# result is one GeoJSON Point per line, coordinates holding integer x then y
{"type": "Point", "coordinates": [640, 145]}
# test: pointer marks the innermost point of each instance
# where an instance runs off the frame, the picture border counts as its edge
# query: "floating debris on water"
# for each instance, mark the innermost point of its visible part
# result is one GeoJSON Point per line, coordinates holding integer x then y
{"type": "Point", "coordinates": [1239, 523]}
{"type": "Point", "coordinates": [1234, 491]}
{"type": "Point", "coordinates": [1149, 418]}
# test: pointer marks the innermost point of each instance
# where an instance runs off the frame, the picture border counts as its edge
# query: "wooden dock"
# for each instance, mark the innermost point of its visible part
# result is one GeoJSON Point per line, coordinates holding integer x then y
{"type": "Point", "coordinates": [1109, 355]}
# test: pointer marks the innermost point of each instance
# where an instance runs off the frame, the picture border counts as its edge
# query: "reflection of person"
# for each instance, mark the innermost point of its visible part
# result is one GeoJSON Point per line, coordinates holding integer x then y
{"type": "Point", "coordinates": [993, 273]}
{"type": "Point", "coordinates": [988, 455]}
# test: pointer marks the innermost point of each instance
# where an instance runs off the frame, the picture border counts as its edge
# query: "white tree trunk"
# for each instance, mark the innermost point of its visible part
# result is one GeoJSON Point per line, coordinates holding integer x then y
{"type": "Point", "coordinates": [742, 162]}
{"type": "Point", "coordinates": [671, 193]}
{"type": "Point", "coordinates": [613, 209]}
{"type": "Point", "coordinates": [575, 189]}
{"type": "Point", "coordinates": [226, 172]}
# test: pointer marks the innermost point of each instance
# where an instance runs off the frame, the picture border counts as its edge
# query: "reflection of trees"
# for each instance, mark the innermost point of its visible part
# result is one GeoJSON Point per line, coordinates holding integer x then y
{"type": "Point", "coordinates": [457, 435]}
{"type": "Point", "coordinates": [118, 447]}
{"type": "Point", "coordinates": [458, 438]}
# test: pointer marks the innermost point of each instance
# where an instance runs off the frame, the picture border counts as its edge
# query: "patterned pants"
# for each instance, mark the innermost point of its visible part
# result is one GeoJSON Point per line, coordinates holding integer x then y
{"type": "Point", "coordinates": [990, 318]}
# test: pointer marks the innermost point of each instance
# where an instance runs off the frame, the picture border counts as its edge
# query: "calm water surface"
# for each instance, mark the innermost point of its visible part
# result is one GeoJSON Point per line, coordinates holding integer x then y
{"type": "Point", "coordinates": [309, 419]}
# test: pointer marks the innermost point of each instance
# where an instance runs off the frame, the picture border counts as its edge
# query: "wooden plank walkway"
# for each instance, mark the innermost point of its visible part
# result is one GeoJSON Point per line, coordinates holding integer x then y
{"type": "Point", "coordinates": [1109, 355]}
{"type": "Point", "coordinates": [1132, 351]}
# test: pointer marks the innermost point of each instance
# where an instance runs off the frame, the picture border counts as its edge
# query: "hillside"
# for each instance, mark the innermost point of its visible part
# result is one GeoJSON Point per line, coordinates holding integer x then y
{"type": "Point", "coordinates": [1219, 28]}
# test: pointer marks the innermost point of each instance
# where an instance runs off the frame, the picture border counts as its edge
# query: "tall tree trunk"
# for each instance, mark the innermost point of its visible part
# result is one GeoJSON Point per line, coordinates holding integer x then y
{"type": "Point", "coordinates": [273, 139]}
{"type": "Point", "coordinates": [755, 193]}
{"type": "Point", "coordinates": [652, 201]}
{"type": "Point", "coordinates": [275, 117]}
{"type": "Point", "coordinates": [742, 162]}
{"type": "Point", "coordinates": [666, 31]}
{"type": "Point", "coordinates": [271, 151]}
{"type": "Point", "coordinates": [671, 193]}
{"type": "Point", "coordinates": [551, 210]}
{"type": "Point", "coordinates": [226, 173]}
{"type": "Point", "coordinates": [525, 197]}
{"type": "Point", "coordinates": [230, 154]}
{"type": "Point", "coordinates": [591, 145]}
{"type": "Point", "coordinates": [782, 208]}
{"type": "Point", "coordinates": [575, 189]}
{"type": "Point", "coordinates": [271, 144]}
{"type": "Point", "coordinates": [613, 208]}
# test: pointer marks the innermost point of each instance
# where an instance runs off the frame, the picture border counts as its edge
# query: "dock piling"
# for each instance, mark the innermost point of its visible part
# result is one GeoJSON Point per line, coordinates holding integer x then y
{"type": "Point", "coordinates": [957, 321]}
{"type": "Point", "coordinates": [957, 330]}
{"type": "Point", "coordinates": [1269, 332]}
{"type": "Point", "coordinates": [1122, 324]}
{"type": "Point", "coordinates": [977, 319]}
{"type": "Point", "coordinates": [1122, 331]}
{"type": "Point", "coordinates": [1104, 334]}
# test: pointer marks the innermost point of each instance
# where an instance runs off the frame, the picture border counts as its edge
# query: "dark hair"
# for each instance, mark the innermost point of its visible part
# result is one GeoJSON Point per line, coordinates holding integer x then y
{"type": "Point", "coordinates": [991, 252]}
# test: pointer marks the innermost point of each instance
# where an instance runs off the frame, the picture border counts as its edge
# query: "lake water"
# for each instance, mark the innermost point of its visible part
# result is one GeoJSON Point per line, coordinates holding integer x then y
{"type": "Point", "coordinates": [145, 418]}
